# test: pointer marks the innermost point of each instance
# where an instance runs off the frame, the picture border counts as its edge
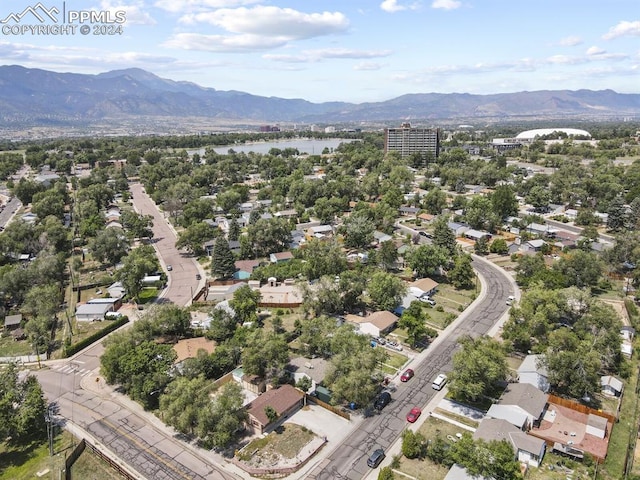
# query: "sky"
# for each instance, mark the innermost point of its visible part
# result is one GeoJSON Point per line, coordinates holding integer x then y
{"type": "Point", "coordinates": [349, 50]}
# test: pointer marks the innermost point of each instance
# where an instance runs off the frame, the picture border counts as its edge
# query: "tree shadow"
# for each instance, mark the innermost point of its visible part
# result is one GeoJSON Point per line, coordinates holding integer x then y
{"type": "Point", "coordinates": [15, 456]}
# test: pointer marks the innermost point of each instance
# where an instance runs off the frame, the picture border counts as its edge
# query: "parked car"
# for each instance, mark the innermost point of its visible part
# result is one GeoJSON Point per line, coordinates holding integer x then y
{"type": "Point", "coordinates": [376, 457]}
{"type": "Point", "coordinates": [439, 382]}
{"type": "Point", "coordinates": [406, 375]}
{"type": "Point", "coordinates": [413, 415]}
{"type": "Point", "coordinates": [379, 340]}
{"type": "Point", "coordinates": [198, 276]}
{"type": "Point", "coordinates": [382, 400]}
{"type": "Point", "coordinates": [428, 300]}
{"type": "Point", "coordinates": [510, 299]}
{"type": "Point", "coordinates": [169, 268]}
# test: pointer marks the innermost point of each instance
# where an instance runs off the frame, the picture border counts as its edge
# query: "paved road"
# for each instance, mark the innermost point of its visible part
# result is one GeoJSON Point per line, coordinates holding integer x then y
{"type": "Point", "coordinates": [348, 460]}
{"type": "Point", "coordinates": [90, 408]}
{"type": "Point", "coordinates": [183, 284]}
{"type": "Point", "coordinates": [140, 442]}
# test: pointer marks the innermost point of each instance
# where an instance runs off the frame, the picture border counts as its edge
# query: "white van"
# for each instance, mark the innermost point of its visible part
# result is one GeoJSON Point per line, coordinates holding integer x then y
{"type": "Point", "coordinates": [439, 382]}
{"type": "Point", "coordinates": [113, 315]}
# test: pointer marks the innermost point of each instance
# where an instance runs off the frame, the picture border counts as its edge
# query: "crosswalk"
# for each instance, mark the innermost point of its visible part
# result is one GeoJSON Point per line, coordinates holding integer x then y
{"type": "Point", "coordinates": [71, 369]}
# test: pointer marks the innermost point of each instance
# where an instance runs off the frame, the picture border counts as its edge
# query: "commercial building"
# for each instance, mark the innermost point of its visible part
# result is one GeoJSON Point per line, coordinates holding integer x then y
{"type": "Point", "coordinates": [408, 140]}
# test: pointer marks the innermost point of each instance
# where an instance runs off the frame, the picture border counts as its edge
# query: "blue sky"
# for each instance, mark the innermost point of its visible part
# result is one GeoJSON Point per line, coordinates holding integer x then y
{"type": "Point", "coordinates": [349, 50]}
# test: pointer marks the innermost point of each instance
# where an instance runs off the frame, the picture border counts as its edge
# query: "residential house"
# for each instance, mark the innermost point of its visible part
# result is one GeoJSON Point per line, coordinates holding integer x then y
{"type": "Point", "coordinates": [219, 292]}
{"type": "Point", "coordinates": [531, 371]}
{"type": "Point", "coordinates": [115, 303]}
{"type": "Point", "coordinates": [289, 213]}
{"type": "Point", "coordinates": [91, 312]}
{"type": "Point", "coordinates": [627, 333]}
{"type": "Point", "coordinates": [528, 399]}
{"type": "Point", "coordinates": [427, 285]}
{"type": "Point", "coordinates": [284, 294]}
{"type": "Point", "coordinates": [534, 245]}
{"type": "Point", "coordinates": [12, 322]}
{"type": "Point", "coordinates": [476, 235]}
{"type": "Point", "coordinates": [285, 401]}
{"type": "Point", "coordinates": [408, 211]}
{"type": "Point", "coordinates": [376, 324]}
{"type": "Point", "coordinates": [541, 229]}
{"type": "Point", "coordinates": [527, 448]}
{"type": "Point", "coordinates": [116, 290]}
{"type": "Point", "coordinates": [426, 217]}
{"type": "Point", "coordinates": [610, 385]}
{"type": "Point", "coordinates": [381, 237]}
{"type": "Point", "coordinates": [320, 232]}
{"type": "Point", "coordinates": [280, 257]}
{"type": "Point", "coordinates": [313, 368]}
{"type": "Point", "coordinates": [244, 268]}
{"type": "Point", "coordinates": [458, 229]}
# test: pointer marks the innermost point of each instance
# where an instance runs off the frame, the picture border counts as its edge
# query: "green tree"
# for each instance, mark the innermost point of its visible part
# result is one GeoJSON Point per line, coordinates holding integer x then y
{"type": "Point", "coordinates": [435, 201]}
{"type": "Point", "coordinates": [109, 246]}
{"type": "Point", "coordinates": [386, 474]}
{"type": "Point", "coordinates": [220, 424]}
{"type": "Point", "coordinates": [182, 402]}
{"type": "Point", "coordinates": [499, 246]}
{"type": "Point", "coordinates": [412, 444]}
{"type": "Point", "coordinates": [358, 230]}
{"type": "Point", "coordinates": [195, 235]}
{"type": "Point", "coordinates": [137, 225]}
{"type": "Point", "coordinates": [413, 321]}
{"type": "Point", "coordinates": [504, 201]}
{"type": "Point", "coordinates": [386, 290]}
{"type": "Point", "coordinates": [617, 218]}
{"type": "Point", "coordinates": [245, 304]}
{"type": "Point", "coordinates": [135, 266]}
{"type": "Point", "coordinates": [477, 368]}
{"type": "Point", "coordinates": [425, 260]}
{"type": "Point", "coordinates": [222, 261]}
{"type": "Point", "coordinates": [265, 355]}
{"type": "Point", "coordinates": [387, 255]}
{"type": "Point", "coordinates": [323, 258]}
{"type": "Point", "coordinates": [271, 413]}
{"type": "Point", "coordinates": [462, 274]}
{"type": "Point", "coordinates": [481, 247]}
{"type": "Point", "coordinates": [223, 325]}
{"type": "Point", "coordinates": [443, 236]}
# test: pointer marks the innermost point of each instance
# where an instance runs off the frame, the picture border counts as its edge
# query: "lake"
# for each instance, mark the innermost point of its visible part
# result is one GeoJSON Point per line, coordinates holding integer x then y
{"type": "Point", "coordinates": [312, 146]}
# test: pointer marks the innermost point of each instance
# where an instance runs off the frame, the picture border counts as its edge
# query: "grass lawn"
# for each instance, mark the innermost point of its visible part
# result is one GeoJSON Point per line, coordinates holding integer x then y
{"type": "Point", "coordinates": [25, 463]}
{"type": "Point", "coordinates": [555, 467]}
{"type": "Point", "coordinates": [90, 466]}
{"type": "Point", "coordinates": [286, 442]}
{"type": "Point", "coordinates": [11, 348]}
{"type": "Point", "coordinates": [147, 295]}
{"type": "Point", "coordinates": [426, 469]}
{"type": "Point", "coordinates": [458, 418]}
{"type": "Point", "coordinates": [623, 431]}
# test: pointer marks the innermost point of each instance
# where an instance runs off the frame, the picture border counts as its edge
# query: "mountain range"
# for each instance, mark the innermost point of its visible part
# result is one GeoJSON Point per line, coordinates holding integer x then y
{"type": "Point", "coordinates": [40, 97]}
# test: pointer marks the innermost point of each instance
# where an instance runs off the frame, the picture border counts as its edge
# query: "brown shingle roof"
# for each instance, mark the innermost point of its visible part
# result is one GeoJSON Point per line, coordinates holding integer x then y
{"type": "Point", "coordinates": [280, 399]}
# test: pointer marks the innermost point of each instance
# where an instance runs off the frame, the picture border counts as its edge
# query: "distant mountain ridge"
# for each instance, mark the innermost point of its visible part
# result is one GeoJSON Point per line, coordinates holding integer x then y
{"type": "Point", "coordinates": [41, 97]}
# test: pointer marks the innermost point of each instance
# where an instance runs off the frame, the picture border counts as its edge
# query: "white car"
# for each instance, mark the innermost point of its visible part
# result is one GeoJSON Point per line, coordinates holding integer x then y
{"type": "Point", "coordinates": [428, 300]}
{"type": "Point", "coordinates": [510, 299]}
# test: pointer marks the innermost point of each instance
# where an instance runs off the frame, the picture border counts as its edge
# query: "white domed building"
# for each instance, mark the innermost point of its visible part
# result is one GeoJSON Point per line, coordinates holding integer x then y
{"type": "Point", "coordinates": [529, 136]}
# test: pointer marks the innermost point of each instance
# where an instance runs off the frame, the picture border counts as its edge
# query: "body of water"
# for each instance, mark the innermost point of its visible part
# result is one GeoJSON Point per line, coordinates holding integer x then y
{"type": "Point", "coordinates": [312, 146]}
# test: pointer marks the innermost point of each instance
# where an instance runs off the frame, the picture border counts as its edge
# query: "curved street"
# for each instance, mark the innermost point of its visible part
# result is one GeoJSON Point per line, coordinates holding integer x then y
{"type": "Point", "coordinates": [348, 460]}
{"type": "Point", "coordinates": [143, 444]}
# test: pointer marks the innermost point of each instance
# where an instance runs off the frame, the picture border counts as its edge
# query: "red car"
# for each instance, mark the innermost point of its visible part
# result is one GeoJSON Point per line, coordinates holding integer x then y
{"type": "Point", "coordinates": [413, 415]}
{"type": "Point", "coordinates": [408, 373]}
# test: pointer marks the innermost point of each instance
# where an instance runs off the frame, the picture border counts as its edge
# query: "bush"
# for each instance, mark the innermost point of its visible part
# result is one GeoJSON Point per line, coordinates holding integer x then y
{"type": "Point", "coordinates": [412, 444]}
{"type": "Point", "coordinates": [386, 474]}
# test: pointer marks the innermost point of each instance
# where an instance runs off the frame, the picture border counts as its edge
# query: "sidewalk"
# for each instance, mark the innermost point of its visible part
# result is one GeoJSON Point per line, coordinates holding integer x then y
{"type": "Point", "coordinates": [96, 384]}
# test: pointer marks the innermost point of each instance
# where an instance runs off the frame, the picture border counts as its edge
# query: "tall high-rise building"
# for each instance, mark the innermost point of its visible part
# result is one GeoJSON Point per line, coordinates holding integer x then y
{"type": "Point", "coordinates": [408, 140]}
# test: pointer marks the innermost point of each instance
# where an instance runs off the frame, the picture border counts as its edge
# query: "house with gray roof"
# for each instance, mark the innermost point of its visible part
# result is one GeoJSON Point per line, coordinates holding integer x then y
{"type": "Point", "coordinates": [528, 399]}
{"type": "Point", "coordinates": [532, 371]}
{"type": "Point", "coordinates": [527, 448]}
{"type": "Point", "coordinates": [612, 386]}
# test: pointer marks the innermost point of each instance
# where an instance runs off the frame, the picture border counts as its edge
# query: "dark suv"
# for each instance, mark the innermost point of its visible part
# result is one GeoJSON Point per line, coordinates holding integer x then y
{"type": "Point", "coordinates": [376, 457]}
{"type": "Point", "coordinates": [382, 400]}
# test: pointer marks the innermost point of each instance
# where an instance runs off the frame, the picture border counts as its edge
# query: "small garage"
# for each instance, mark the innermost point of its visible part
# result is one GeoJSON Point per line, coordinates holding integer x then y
{"type": "Point", "coordinates": [596, 426]}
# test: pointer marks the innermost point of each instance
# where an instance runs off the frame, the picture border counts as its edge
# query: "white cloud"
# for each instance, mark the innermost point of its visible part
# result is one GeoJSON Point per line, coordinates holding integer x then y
{"type": "Point", "coordinates": [182, 6]}
{"type": "Point", "coordinates": [322, 54]}
{"type": "Point", "coordinates": [623, 29]}
{"type": "Point", "coordinates": [135, 13]}
{"type": "Point", "coordinates": [391, 6]}
{"type": "Point", "coordinates": [222, 43]}
{"type": "Point", "coordinates": [571, 41]}
{"type": "Point", "coordinates": [446, 4]}
{"type": "Point", "coordinates": [595, 51]}
{"type": "Point", "coordinates": [367, 66]}
{"type": "Point", "coordinates": [564, 60]}
{"type": "Point", "coordinates": [273, 21]}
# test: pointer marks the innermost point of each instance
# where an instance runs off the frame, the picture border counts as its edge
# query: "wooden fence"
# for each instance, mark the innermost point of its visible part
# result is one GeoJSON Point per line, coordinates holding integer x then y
{"type": "Point", "coordinates": [68, 475]}
{"type": "Point", "coordinates": [337, 410]}
{"type": "Point", "coordinates": [578, 407]}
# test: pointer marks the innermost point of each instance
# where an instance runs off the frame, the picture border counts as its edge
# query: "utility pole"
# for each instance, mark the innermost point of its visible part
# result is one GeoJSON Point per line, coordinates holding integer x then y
{"type": "Point", "coordinates": [48, 418]}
